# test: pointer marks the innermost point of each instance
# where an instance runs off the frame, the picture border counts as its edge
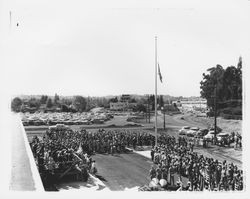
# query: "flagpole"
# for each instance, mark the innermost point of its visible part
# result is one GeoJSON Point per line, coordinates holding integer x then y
{"type": "Point", "coordinates": [155, 90]}
{"type": "Point", "coordinates": [10, 21]}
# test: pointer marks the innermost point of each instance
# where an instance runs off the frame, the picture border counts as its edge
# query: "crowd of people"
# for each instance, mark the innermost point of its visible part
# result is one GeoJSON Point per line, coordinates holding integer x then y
{"type": "Point", "coordinates": [176, 158]}
{"type": "Point", "coordinates": [114, 141]}
{"type": "Point", "coordinates": [234, 139]}
{"type": "Point", "coordinates": [60, 149]}
{"type": "Point", "coordinates": [237, 140]}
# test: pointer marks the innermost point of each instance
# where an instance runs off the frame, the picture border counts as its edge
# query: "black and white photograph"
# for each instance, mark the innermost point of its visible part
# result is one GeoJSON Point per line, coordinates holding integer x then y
{"type": "Point", "coordinates": [127, 96]}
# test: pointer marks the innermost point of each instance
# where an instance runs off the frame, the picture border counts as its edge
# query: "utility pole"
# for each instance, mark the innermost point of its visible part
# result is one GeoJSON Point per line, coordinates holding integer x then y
{"type": "Point", "coordinates": [148, 110]}
{"type": "Point", "coordinates": [215, 113]}
{"type": "Point", "coordinates": [164, 122]}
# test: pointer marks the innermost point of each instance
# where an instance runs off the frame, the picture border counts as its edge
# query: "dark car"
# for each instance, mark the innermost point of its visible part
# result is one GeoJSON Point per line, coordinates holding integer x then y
{"type": "Point", "coordinates": [218, 129]}
{"type": "Point", "coordinates": [223, 139]}
{"type": "Point", "coordinates": [202, 132]}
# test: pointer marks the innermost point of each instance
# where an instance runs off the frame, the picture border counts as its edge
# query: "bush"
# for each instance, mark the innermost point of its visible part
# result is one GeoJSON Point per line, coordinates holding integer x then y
{"type": "Point", "coordinates": [16, 104]}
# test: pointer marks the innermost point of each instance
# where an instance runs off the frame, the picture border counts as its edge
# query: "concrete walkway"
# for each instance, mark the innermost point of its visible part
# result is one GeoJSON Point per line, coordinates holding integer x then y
{"type": "Point", "coordinates": [24, 174]}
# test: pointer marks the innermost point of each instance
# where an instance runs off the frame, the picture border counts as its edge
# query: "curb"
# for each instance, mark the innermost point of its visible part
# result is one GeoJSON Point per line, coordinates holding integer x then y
{"type": "Point", "coordinates": [34, 171]}
{"type": "Point", "coordinates": [97, 180]}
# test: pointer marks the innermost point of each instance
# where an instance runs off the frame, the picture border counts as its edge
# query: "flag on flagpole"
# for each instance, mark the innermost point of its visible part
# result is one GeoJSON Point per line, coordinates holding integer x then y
{"type": "Point", "coordinates": [159, 72]}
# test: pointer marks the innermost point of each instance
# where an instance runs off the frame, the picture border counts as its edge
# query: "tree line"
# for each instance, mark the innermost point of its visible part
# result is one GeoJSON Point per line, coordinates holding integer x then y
{"type": "Point", "coordinates": [79, 103]}
{"type": "Point", "coordinates": [74, 104]}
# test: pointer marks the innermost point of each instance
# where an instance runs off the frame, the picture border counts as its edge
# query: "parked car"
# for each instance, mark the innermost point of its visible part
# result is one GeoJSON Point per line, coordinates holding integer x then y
{"type": "Point", "coordinates": [97, 121]}
{"type": "Point", "coordinates": [209, 136]}
{"type": "Point", "coordinates": [222, 139]}
{"type": "Point", "coordinates": [192, 132]}
{"type": "Point", "coordinates": [218, 129]}
{"type": "Point", "coordinates": [183, 130]}
{"type": "Point", "coordinates": [59, 126]}
{"type": "Point", "coordinates": [86, 122]}
{"type": "Point", "coordinates": [201, 133]}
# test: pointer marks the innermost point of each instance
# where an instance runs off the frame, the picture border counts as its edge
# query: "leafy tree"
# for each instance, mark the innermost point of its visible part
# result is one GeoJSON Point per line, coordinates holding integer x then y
{"type": "Point", "coordinates": [212, 83]}
{"type": "Point", "coordinates": [43, 99]}
{"type": "Point", "coordinates": [90, 104]}
{"type": "Point", "coordinates": [65, 108]}
{"type": "Point", "coordinates": [239, 80]}
{"type": "Point", "coordinates": [132, 100]}
{"type": "Point", "coordinates": [140, 108]}
{"type": "Point", "coordinates": [226, 84]}
{"type": "Point", "coordinates": [67, 101]}
{"type": "Point", "coordinates": [101, 102]}
{"type": "Point", "coordinates": [161, 101]}
{"type": "Point", "coordinates": [34, 103]}
{"type": "Point", "coordinates": [152, 101]}
{"type": "Point", "coordinates": [143, 100]}
{"type": "Point", "coordinates": [115, 99]}
{"type": "Point", "coordinates": [105, 103]}
{"type": "Point", "coordinates": [79, 103]}
{"type": "Point", "coordinates": [49, 103]}
{"type": "Point", "coordinates": [16, 104]}
{"type": "Point", "coordinates": [56, 99]}
{"type": "Point", "coordinates": [232, 83]}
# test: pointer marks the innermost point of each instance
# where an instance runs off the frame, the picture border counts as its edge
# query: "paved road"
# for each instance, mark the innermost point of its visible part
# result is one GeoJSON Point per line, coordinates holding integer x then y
{"type": "Point", "coordinates": [122, 171]}
{"type": "Point", "coordinates": [125, 171]}
{"type": "Point", "coordinates": [221, 154]}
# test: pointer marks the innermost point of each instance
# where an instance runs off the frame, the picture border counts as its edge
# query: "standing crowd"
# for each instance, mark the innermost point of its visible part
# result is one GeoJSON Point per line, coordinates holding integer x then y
{"type": "Point", "coordinates": [178, 159]}
{"type": "Point", "coordinates": [114, 141]}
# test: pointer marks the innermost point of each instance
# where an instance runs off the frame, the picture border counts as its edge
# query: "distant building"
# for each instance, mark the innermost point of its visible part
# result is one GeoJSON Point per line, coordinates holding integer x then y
{"type": "Point", "coordinates": [118, 106]}
{"type": "Point", "coordinates": [124, 104]}
{"type": "Point", "coordinates": [125, 98]}
{"type": "Point", "coordinates": [177, 103]}
{"type": "Point", "coordinates": [191, 104]}
{"type": "Point", "coordinates": [170, 107]}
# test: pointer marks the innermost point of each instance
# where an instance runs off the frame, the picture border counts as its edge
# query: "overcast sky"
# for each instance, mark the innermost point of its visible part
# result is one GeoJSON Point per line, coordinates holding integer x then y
{"type": "Point", "coordinates": [107, 47]}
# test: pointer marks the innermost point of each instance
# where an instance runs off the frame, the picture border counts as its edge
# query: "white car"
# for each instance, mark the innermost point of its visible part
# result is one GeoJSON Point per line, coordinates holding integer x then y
{"type": "Point", "coordinates": [183, 130]}
{"type": "Point", "coordinates": [209, 136]}
{"type": "Point", "coordinates": [192, 132]}
{"type": "Point", "coordinates": [59, 126]}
